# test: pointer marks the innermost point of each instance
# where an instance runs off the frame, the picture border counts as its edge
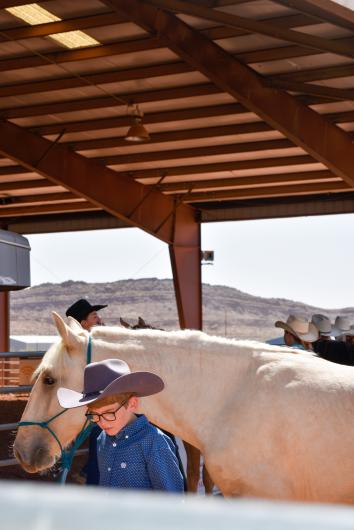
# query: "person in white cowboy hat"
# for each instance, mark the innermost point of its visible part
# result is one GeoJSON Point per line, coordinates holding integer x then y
{"type": "Point", "coordinates": [131, 452]}
{"type": "Point", "coordinates": [298, 332]}
{"type": "Point", "coordinates": [323, 325]}
{"type": "Point", "coordinates": [335, 351]}
{"type": "Point", "coordinates": [349, 335]}
{"type": "Point", "coordinates": [341, 327]}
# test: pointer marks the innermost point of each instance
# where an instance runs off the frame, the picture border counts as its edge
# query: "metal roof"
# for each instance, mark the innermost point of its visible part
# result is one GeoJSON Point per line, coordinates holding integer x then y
{"type": "Point", "coordinates": [249, 104]}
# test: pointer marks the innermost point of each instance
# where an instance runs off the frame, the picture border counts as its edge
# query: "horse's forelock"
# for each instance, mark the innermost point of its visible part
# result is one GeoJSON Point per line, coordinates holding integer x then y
{"type": "Point", "coordinates": [53, 356]}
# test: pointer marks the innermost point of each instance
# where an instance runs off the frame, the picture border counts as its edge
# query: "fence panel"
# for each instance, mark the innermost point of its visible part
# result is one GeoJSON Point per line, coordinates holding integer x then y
{"type": "Point", "coordinates": [16, 370]}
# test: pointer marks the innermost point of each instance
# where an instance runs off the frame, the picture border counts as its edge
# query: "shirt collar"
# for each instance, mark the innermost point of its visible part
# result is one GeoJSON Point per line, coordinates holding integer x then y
{"type": "Point", "coordinates": [132, 428]}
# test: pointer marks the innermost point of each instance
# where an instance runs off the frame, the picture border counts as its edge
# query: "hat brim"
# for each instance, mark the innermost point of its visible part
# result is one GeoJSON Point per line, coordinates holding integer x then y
{"type": "Point", "coordinates": [97, 307]}
{"type": "Point", "coordinates": [311, 336]}
{"type": "Point", "coordinates": [326, 333]}
{"type": "Point", "coordinates": [336, 332]}
{"type": "Point", "coordinates": [141, 384]}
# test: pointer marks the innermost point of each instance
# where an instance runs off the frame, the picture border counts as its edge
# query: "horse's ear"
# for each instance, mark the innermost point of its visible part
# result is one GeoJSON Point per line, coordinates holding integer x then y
{"type": "Point", "coordinates": [141, 323]}
{"type": "Point", "coordinates": [70, 338]}
{"type": "Point", "coordinates": [124, 323]}
{"type": "Point", "coordinates": [74, 325]}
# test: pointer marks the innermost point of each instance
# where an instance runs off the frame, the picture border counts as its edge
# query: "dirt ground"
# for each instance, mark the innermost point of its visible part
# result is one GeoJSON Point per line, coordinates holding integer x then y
{"type": "Point", "coordinates": [11, 408]}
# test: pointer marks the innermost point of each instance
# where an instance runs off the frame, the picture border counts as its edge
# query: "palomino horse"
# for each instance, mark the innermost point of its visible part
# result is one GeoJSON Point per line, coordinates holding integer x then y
{"type": "Point", "coordinates": [192, 453]}
{"type": "Point", "coordinates": [269, 423]}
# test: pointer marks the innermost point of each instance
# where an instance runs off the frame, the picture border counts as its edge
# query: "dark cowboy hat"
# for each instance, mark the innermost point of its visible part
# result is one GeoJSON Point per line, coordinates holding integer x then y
{"type": "Point", "coordinates": [107, 378]}
{"type": "Point", "coordinates": [80, 309]}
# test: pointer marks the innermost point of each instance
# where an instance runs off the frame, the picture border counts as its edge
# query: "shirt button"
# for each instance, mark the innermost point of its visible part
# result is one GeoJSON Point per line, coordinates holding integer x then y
{"type": "Point", "coordinates": [108, 469]}
{"type": "Point", "coordinates": [114, 444]}
{"type": "Point", "coordinates": [126, 436]}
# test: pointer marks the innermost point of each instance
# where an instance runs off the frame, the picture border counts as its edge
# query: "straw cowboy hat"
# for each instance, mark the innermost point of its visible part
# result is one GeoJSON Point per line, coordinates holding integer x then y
{"type": "Point", "coordinates": [323, 324]}
{"type": "Point", "coordinates": [80, 309]}
{"type": "Point", "coordinates": [341, 326]}
{"type": "Point", "coordinates": [107, 378]}
{"type": "Point", "coordinates": [300, 327]}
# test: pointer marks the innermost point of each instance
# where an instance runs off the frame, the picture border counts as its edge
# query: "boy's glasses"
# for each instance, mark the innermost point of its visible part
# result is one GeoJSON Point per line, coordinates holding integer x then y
{"type": "Point", "coordinates": [94, 417]}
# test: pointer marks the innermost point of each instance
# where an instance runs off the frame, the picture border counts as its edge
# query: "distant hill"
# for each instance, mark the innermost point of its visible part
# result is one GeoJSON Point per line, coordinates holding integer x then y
{"type": "Point", "coordinates": [226, 311]}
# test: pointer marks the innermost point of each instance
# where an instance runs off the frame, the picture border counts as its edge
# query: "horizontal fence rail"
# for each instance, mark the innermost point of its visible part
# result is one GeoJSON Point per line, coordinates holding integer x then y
{"type": "Point", "coordinates": [16, 369]}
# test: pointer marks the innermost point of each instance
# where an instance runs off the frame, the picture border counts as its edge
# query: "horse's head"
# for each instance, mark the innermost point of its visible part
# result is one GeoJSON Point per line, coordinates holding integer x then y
{"type": "Point", "coordinates": [35, 447]}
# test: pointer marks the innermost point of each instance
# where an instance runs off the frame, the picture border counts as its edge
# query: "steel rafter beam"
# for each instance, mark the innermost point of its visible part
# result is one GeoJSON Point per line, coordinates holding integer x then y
{"type": "Point", "coordinates": [318, 74]}
{"type": "Point", "coordinates": [339, 94]}
{"type": "Point", "coordinates": [119, 195]}
{"type": "Point", "coordinates": [40, 209]}
{"type": "Point", "coordinates": [268, 192]}
{"type": "Point", "coordinates": [8, 187]}
{"type": "Point", "coordinates": [49, 28]}
{"type": "Point", "coordinates": [323, 10]}
{"type": "Point", "coordinates": [325, 142]}
{"type": "Point", "coordinates": [245, 182]}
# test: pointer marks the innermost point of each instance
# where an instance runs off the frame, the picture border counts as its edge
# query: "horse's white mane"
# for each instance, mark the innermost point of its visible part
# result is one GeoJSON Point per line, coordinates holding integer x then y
{"type": "Point", "coordinates": [188, 337]}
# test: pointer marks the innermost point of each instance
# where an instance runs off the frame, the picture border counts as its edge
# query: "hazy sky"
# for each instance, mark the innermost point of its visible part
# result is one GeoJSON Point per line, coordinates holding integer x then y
{"type": "Point", "coordinates": [309, 259]}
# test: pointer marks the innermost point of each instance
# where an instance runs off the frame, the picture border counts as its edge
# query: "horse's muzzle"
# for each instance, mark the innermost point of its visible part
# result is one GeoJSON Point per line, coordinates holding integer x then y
{"type": "Point", "coordinates": [34, 458]}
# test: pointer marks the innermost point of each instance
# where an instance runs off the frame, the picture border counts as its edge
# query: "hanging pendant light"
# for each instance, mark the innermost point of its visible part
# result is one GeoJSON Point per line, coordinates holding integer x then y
{"type": "Point", "coordinates": [137, 132]}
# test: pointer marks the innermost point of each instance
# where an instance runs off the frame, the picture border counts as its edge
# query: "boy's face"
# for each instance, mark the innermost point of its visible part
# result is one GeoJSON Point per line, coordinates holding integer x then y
{"type": "Point", "coordinates": [123, 415]}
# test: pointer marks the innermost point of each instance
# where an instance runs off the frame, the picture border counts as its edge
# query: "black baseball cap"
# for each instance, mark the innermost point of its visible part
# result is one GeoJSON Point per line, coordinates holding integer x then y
{"type": "Point", "coordinates": [80, 309]}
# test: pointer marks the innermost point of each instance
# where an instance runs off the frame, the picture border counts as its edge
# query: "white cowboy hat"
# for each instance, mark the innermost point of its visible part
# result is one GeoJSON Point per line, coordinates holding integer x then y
{"type": "Point", "coordinates": [299, 326]}
{"type": "Point", "coordinates": [323, 324]}
{"type": "Point", "coordinates": [350, 332]}
{"type": "Point", "coordinates": [341, 326]}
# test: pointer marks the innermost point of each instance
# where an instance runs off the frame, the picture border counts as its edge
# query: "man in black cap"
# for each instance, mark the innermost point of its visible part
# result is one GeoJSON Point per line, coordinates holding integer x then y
{"type": "Point", "coordinates": [85, 313]}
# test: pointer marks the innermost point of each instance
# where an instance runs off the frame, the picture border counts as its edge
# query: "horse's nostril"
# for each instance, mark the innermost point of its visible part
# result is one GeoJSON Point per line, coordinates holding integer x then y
{"type": "Point", "coordinates": [17, 454]}
{"type": "Point", "coordinates": [40, 454]}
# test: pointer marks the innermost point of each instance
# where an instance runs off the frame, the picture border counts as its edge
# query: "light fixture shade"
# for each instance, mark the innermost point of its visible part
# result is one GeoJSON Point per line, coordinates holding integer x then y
{"type": "Point", "coordinates": [137, 132]}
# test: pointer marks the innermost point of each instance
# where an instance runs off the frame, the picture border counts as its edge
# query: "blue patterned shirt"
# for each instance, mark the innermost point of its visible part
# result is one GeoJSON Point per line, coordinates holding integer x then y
{"type": "Point", "coordinates": [140, 456]}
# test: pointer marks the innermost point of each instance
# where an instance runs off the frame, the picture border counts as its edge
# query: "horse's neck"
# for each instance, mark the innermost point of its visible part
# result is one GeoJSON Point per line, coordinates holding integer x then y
{"type": "Point", "coordinates": [193, 379]}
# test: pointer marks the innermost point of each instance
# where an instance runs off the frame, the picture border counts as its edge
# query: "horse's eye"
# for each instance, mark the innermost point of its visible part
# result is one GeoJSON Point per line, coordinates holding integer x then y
{"type": "Point", "coordinates": [48, 380]}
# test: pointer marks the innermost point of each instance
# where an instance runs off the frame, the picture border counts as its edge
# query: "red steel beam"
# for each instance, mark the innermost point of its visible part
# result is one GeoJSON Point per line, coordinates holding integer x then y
{"type": "Point", "coordinates": [119, 195]}
{"type": "Point", "coordinates": [186, 268]}
{"type": "Point", "coordinates": [324, 141]}
{"type": "Point", "coordinates": [4, 321]}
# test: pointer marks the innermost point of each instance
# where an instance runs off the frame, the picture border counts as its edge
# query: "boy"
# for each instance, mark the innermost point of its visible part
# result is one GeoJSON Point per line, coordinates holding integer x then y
{"type": "Point", "coordinates": [131, 452]}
